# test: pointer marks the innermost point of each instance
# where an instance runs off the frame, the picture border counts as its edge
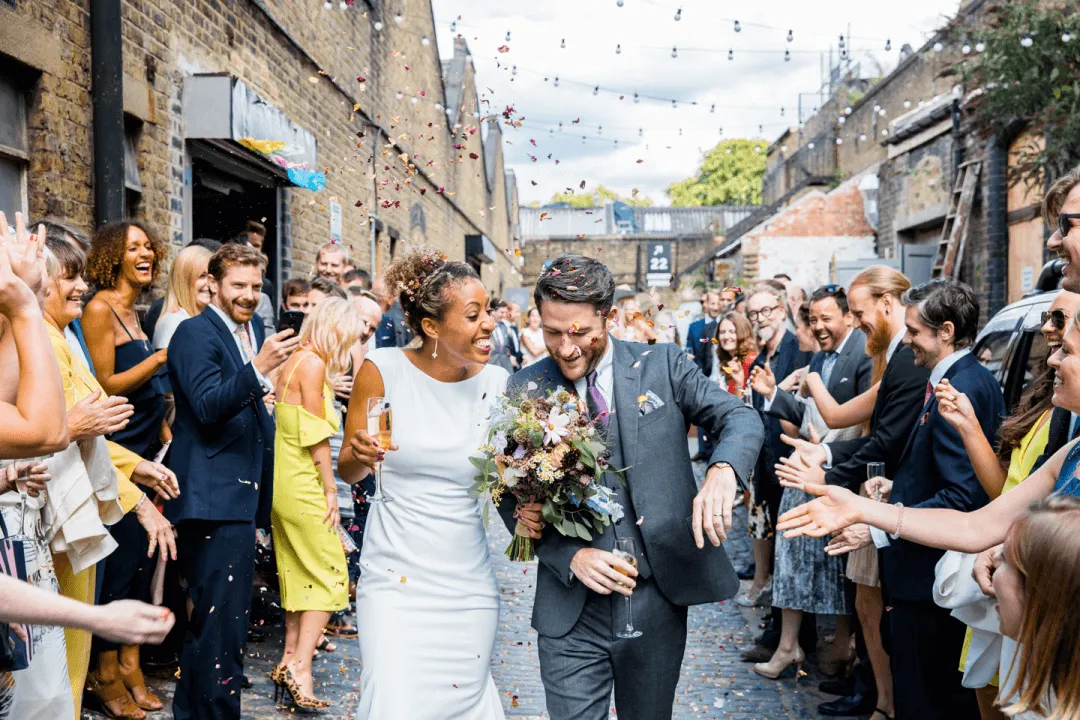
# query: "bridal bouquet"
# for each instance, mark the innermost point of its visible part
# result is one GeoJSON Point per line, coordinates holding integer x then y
{"type": "Point", "coordinates": [548, 451]}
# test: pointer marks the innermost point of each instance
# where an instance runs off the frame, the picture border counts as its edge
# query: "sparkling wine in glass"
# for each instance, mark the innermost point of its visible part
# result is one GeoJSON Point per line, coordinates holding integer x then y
{"type": "Point", "coordinates": [627, 552]}
{"type": "Point", "coordinates": [380, 428]}
{"type": "Point", "coordinates": [874, 470]}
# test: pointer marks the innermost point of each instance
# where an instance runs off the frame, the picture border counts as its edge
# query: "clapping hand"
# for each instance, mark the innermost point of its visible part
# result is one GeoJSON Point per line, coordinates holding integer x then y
{"type": "Point", "coordinates": [762, 380]}
{"type": "Point", "coordinates": [796, 473]}
{"type": "Point", "coordinates": [810, 451]}
{"type": "Point", "coordinates": [26, 252]}
{"type": "Point", "coordinates": [92, 416]}
{"type": "Point", "coordinates": [16, 296]}
{"type": "Point", "coordinates": [955, 407]}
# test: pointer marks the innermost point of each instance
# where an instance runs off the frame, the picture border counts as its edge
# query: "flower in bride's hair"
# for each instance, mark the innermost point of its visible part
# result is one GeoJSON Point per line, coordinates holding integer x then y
{"type": "Point", "coordinates": [555, 429]}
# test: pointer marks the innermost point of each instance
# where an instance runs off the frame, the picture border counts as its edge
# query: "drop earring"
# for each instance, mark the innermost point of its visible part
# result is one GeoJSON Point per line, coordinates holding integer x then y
{"type": "Point", "coordinates": [436, 353]}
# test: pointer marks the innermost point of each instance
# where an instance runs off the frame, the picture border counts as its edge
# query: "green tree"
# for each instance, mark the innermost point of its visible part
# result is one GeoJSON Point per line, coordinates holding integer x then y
{"type": "Point", "coordinates": [730, 174]}
{"type": "Point", "coordinates": [598, 197]}
{"type": "Point", "coordinates": [1029, 73]}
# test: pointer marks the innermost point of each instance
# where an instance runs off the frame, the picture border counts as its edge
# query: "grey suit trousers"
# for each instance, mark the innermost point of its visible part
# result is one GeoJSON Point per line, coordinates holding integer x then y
{"type": "Point", "coordinates": [579, 668]}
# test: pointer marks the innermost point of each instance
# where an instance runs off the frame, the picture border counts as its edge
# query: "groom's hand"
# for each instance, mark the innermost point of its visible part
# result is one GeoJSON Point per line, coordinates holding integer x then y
{"type": "Point", "coordinates": [596, 570]}
{"type": "Point", "coordinates": [713, 505]}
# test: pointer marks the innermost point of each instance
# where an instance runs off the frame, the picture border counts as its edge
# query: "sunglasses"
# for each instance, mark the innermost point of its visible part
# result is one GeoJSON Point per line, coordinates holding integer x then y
{"type": "Point", "coordinates": [1055, 316]}
{"type": "Point", "coordinates": [1064, 224]}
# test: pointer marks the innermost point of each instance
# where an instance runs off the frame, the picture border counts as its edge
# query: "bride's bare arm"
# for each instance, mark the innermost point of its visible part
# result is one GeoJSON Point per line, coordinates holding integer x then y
{"type": "Point", "coordinates": [358, 454]}
{"type": "Point", "coordinates": [855, 411]}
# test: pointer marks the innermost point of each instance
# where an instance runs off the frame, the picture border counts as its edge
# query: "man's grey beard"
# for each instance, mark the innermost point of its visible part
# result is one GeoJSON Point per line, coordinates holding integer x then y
{"type": "Point", "coordinates": [765, 333]}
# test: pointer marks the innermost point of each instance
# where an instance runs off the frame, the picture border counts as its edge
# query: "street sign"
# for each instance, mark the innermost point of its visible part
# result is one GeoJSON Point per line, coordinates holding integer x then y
{"type": "Point", "coordinates": [658, 264]}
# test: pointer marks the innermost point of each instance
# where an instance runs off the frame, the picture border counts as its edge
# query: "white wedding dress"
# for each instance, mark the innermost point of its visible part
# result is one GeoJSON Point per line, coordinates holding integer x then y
{"type": "Point", "coordinates": [427, 604]}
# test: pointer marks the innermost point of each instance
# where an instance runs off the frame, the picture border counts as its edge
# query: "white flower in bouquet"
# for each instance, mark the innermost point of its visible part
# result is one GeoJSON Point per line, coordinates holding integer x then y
{"type": "Point", "coordinates": [557, 427]}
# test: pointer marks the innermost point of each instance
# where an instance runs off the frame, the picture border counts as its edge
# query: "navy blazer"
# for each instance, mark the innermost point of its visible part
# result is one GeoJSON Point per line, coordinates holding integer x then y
{"type": "Point", "coordinates": [850, 377]}
{"type": "Point", "coordinates": [935, 471]}
{"type": "Point", "coordinates": [699, 342]}
{"type": "Point", "coordinates": [787, 359]}
{"type": "Point", "coordinates": [223, 437]}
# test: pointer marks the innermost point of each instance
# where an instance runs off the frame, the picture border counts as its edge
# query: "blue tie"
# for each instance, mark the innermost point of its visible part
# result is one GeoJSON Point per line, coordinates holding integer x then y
{"type": "Point", "coordinates": [827, 367]}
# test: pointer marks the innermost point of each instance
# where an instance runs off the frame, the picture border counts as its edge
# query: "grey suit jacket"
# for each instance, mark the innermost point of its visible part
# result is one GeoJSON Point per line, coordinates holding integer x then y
{"type": "Point", "coordinates": [850, 377]}
{"type": "Point", "coordinates": [660, 477]}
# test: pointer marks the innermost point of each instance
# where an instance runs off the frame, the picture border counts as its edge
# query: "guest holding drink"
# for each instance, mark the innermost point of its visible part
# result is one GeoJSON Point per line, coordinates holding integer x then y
{"type": "Point", "coordinates": [310, 559]}
{"type": "Point", "coordinates": [125, 258]}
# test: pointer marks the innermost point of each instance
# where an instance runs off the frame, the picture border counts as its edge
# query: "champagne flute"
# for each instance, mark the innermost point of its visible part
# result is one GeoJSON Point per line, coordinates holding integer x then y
{"type": "Point", "coordinates": [626, 551]}
{"type": "Point", "coordinates": [380, 428]}
{"type": "Point", "coordinates": [873, 470]}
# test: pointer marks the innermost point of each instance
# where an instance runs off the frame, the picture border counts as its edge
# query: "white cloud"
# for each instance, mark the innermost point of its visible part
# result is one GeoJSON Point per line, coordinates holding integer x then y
{"type": "Point", "coordinates": [748, 92]}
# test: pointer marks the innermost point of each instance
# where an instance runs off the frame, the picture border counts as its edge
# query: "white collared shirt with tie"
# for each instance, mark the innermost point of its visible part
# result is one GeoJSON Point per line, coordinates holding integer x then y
{"type": "Point", "coordinates": [235, 329]}
{"type": "Point", "coordinates": [605, 378]}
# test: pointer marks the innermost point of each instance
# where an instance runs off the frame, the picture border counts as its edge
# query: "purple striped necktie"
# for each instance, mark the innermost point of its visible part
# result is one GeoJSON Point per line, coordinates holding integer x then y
{"type": "Point", "coordinates": [598, 407]}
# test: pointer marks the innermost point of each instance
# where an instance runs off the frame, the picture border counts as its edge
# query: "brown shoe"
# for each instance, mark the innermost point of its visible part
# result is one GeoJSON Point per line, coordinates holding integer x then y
{"type": "Point", "coordinates": [111, 699]}
{"type": "Point", "coordinates": [135, 682]}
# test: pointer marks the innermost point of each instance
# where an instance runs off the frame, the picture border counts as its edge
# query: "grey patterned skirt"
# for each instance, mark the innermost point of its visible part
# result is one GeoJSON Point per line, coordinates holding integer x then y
{"type": "Point", "coordinates": [804, 576]}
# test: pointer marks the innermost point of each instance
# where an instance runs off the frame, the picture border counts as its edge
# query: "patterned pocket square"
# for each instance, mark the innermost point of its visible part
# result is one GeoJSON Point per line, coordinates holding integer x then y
{"type": "Point", "coordinates": [649, 402]}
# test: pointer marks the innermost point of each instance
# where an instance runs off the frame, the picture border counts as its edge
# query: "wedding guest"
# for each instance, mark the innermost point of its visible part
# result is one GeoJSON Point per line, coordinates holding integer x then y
{"type": "Point", "coordinates": [294, 295]}
{"type": "Point", "coordinates": [188, 292]}
{"type": "Point", "coordinates": [356, 280]}
{"type": "Point", "coordinates": [93, 486]}
{"type": "Point", "coordinates": [394, 331]}
{"type": "Point", "coordinates": [125, 258]}
{"type": "Point", "coordinates": [699, 338]}
{"type": "Point", "coordinates": [154, 311]}
{"type": "Point", "coordinates": [734, 355]}
{"type": "Point", "coordinates": [532, 338]}
{"type": "Point", "coordinates": [330, 262]}
{"type": "Point", "coordinates": [320, 289]}
{"type": "Point", "coordinates": [223, 459]}
{"type": "Point", "coordinates": [311, 564]}
{"type": "Point", "coordinates": [501, 348]}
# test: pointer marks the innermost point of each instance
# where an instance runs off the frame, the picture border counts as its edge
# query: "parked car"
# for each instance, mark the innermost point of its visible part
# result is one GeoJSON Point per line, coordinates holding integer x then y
{"type": "Point", "coordinates": [1011, 345]}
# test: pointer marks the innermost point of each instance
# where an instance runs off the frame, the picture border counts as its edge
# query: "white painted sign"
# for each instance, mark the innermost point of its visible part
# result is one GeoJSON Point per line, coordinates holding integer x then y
{"type": "Point", "coordinates": [1027, 279]}
{"type": "Point", "coordinates": [335, 222]}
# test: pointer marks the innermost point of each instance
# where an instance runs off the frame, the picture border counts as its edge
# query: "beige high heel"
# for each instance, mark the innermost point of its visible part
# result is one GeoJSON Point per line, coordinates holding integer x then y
{"type": "Point", "coordinates": [780, 663]}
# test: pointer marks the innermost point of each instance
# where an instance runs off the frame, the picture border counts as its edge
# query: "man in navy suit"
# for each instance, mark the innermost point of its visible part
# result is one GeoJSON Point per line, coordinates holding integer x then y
{"type": "Point", "coordinates": [223, 456]}
{"type": "Point", "coordinates": [935, 471]}
{"type": "Point", "coordinates": [698, 346]}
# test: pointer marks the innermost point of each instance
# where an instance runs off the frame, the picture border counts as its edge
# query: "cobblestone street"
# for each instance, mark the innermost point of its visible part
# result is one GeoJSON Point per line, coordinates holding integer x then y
{"type": "Point", "coordinates": [715, 682]}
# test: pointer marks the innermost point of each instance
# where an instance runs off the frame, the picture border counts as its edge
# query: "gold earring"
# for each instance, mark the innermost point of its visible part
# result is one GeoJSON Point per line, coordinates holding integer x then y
{"type": "Point", "coordinates": [436, 353]}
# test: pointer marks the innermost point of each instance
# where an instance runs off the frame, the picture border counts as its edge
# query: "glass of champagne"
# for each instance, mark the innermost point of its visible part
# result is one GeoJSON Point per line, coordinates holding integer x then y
{"type": "Point", "coordinates": [626, 551]}
{"type": "Point", "coordinates": [380, 428]}
{"type": "Point", "coordinates": [874, 470]}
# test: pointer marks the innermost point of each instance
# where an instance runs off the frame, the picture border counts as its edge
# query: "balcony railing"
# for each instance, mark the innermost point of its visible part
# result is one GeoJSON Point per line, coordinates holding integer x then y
{"type": "Point", "coordinates": [812, 164]}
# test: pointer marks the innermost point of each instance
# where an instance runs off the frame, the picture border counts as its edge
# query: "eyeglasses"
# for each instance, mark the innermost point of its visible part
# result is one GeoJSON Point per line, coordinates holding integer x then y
{"type": "Point", "coordinates": [1055, 316]}
{"type": "Point", "coordinates": [1063, 222]}
{"type": "Point", "coordinates": [765, 313]}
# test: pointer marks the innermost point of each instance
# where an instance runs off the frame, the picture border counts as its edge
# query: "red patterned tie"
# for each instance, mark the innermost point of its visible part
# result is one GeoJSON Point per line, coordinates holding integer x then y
{"type": "Point", "coordinates": [929, 392]}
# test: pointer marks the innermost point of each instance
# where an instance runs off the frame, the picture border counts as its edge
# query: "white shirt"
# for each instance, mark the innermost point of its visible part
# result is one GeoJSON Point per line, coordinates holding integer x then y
{"type": "Point", "coordinates": [880, 537]}
{"type": "Point", "coordinates": [605, 378]}
{"type": "Point", "coordinates": [76, 348]}
{"type": "Point", "coordinates": [232, 326]}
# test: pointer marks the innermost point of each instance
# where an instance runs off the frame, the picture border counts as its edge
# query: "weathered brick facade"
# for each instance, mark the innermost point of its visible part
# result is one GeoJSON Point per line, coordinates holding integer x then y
{"type": "Point", "coordinates": [381, 151]}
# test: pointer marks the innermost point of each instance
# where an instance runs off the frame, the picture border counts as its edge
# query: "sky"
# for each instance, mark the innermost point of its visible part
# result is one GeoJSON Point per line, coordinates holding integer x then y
{"type": "Point", "coordinates": [756, 94]}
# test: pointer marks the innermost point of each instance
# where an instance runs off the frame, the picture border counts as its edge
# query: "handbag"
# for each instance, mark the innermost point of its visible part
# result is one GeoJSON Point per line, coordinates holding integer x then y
{"type": "Point", "coordinates": [15, 653]}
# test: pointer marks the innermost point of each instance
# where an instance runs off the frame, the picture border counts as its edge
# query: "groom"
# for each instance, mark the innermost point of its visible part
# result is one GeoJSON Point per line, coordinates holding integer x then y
{"type": "Point", "coordinates": [644, 398]}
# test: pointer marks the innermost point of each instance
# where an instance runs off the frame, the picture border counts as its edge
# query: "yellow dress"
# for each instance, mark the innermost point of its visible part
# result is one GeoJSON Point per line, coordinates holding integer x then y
{"type": "Point", "coordinates": [310, 559]}
{"type": "Point", "coordinates": [1021, 462]}
{"type": "Point", "coordinates": [78, 383]}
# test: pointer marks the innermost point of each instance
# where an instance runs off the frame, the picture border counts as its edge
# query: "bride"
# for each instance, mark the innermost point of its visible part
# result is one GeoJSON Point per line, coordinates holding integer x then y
{"type": "Point", "coordinates": [427, 603]}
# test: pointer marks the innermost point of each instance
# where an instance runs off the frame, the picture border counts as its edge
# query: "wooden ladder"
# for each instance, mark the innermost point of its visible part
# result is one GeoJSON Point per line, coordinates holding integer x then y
{"type": "Point", "coordinates": [950, 250]}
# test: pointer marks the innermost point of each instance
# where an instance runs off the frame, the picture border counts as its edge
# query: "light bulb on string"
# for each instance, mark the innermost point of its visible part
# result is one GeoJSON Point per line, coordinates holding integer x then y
{"type": "Point", "coordinates": [674, 105]}
{"type": "Point", "coordinates": [862, 138]}
{"type": "Point", "coordinates": [980, 46]}
{"type": "Point", "coordinates": [513, 70]}
{"type": "Point", "coordinates": [343, 4]}
{"type": "Point", "coordinates": [783, 148]}
{"type": "Point", "coordinates": [563, 44]}
{"type": "Point", "coordinates": [721, 131]}
{"type": "Point", "coordinates": [790, 36]}
{"type": "Point", "coordinates": [738, 27]}
{"type": "Point", "coordinates": [966, 49]}
{"type": "Point", "coordinates": [560, 126]}
{"type": "Point", "coordinates": [618, 49]}
{"type": "Point", "coordinates": [596, 90]}
{"type": "Point", "coordinates": [680, 132]}
{"type": "Point", "coordinates": [907, 104]}
{"type": "Point", "coordinates": [398, 95]}
{"type": "Point", "coordinates": [678, 15]}
{"type": "Point", "coordinates": [641, 132]}
{"type": "Point", "coordinates": [328, 5]}
{"type": "Point", "coordinates": [599, 129]}
{"type": "Point", "coordinates": [727, 150]}
{"type": "Point", "coordinates": [713, 108]}
{"type": "Point", "coordinates": [399, 18]}
{"type": "Point", "coordinates": [1066, 37]}
{"type": "Point", "coordinates": [841, 42]}
{"type": "Point", "coordinates": [843, 54]}
{"type": "Point", "coordinates": [938, 47]}
{"type": "Point", "coordinates": [888, 44]}
{"type": "Point", "coordinates": [556, 81]}
{"type": "Point", "coordinates": [787, 56]}
{"type": "Point", "coordinates": [884, 132]}
{"type": "Point", "coordinates": [810, 145]}
{"type": "Point", "coordinates": [1026, 41]}
{"type": "Point", "coordinates": [425, 41]}
{"type": "Point", "coordinates": [730, 54]}
{"type": "Point", "coordinates": [453, 26]}
{"type": "Point", "coordinates": [847, 110]}
{"type": "Point", "coordinates": [839, 141]}
{"type": "Point", "coordinates": [415, 100]}
{"type": "Point", "coordinates": [620, 3]}
{"type": "Point", "coordinates": [616, 143]}
{"type": "Point", "coordinates": [674, 52]}
{"type": "Point", "coordinates": [635, 98]}
{"type": "Point", "coordinates": [507, 36]}
{"type": "Point", "coordinates": [842, 119]}
{"type": "Point", "coordinates": [760, 129]}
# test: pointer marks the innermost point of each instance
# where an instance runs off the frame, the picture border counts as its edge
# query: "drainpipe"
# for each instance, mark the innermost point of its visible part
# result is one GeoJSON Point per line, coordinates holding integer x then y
{"type": "Point", "coordinates": [107, 95]}
{"type": "Point", "coordinates": [997, 222]}
{"type": "Point", "coordinates": [957, 140]}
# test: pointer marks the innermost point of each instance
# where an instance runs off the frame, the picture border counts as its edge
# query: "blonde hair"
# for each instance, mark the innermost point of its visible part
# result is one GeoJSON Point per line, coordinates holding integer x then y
{"type": "Point", "coordinates": [331, 330]}
{"type": "Point", "coordinates": [188, 265]}
{"type": "Point", "coordinates": [1044, 547]}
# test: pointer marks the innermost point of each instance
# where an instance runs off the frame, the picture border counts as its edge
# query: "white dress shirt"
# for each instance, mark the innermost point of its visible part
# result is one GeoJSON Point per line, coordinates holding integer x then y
{"type": "Point", "coordinates": [76, 347]}
{"type": "Point", "coordinates": [880, 537]}
{"type": "Point", "coordinates": [605, 378]}
{"type": "Point", "coordinates": [232, 326]}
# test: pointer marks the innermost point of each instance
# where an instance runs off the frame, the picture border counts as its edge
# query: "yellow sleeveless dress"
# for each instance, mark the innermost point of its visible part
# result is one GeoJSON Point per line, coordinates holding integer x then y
{"type": "Point", "coordinates": [310, 559]}
{"type": "Point", "coordinates": [1021, 461]}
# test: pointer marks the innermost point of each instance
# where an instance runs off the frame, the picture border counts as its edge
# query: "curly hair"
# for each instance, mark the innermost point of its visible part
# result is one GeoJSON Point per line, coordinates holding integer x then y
{"type": "Point", "coordinates": [106, 258]}
{"type": "Point", "coordinates": [421, 278]}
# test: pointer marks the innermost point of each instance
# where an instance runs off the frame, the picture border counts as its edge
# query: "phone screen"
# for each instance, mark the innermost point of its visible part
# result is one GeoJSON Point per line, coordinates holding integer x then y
{"type": "Point", "coordinates": [292, 320]}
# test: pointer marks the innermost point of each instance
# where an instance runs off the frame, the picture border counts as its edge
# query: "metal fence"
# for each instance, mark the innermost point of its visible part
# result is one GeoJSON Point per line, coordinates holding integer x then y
{"type": "Point", "coordinates": [561, 221]}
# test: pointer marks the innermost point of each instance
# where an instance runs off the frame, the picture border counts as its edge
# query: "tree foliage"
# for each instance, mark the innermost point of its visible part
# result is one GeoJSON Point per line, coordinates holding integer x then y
{"type": "Point", "coordinates": [1036, 88]}
{"type": "Point", "coordinates": [598, 197]}
{"type": "Point", "coordinates": [730, 174]}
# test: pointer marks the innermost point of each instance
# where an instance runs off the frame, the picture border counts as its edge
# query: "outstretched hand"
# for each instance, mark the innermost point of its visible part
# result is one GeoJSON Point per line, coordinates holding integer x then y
{"type": "Point", "coordinates": [762, 380]}
{"type": "Point", "coordinates": [834, 509]}
{"type": "Point", "coordinates": [812, 453]}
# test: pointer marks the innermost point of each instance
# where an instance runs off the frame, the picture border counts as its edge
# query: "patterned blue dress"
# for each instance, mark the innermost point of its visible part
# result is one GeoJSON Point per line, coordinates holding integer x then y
{"type": "Point", "coordinates": [1068, 482]}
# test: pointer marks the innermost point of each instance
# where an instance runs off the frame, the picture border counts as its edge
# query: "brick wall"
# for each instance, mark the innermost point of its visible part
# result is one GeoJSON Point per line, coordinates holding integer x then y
{"type": "Point", "coordinates": [303, 60]}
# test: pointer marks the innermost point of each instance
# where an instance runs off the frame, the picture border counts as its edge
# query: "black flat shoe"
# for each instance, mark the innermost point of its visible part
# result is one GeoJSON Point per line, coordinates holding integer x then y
{"type": "Point", "coordinates": [849, 706]}
{"type": "Point", "coordinates": [747, 573]}
{"type": "Point", "coordinates": [758, 654]}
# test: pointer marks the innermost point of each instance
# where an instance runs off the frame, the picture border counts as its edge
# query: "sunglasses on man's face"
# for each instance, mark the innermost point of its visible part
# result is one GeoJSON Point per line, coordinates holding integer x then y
{"type": "Point", "coordinates": [1064, 222]}
{"type": "Point", "coordinates": [1057, 317]}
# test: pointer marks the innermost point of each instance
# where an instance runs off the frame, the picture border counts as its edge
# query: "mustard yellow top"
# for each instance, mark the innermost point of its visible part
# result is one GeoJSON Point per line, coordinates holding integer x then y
{"type": "Point", "coordinates": [80, 383]}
